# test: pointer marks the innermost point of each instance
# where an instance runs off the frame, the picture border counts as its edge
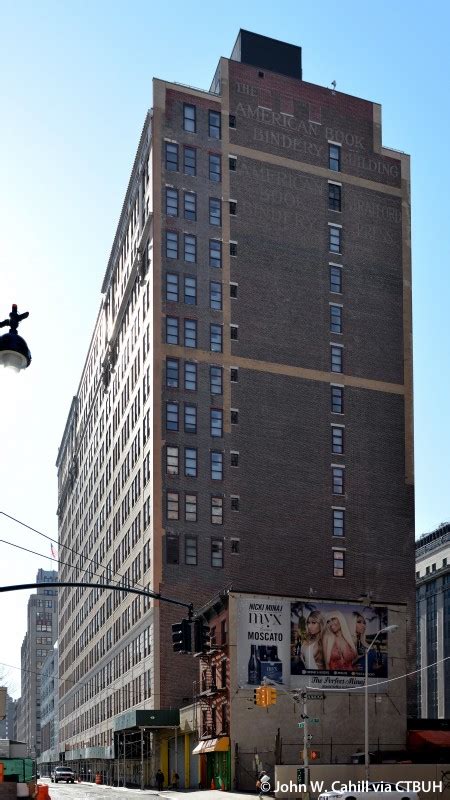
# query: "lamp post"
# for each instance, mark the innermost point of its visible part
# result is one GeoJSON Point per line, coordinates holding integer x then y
{"type": "Point", "coordinates": [366, 697]}
{"type": "Point", "coordinates": [14, 352]}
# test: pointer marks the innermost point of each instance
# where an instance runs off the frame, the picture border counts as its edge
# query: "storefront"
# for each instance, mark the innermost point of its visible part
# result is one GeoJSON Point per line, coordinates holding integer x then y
{"type": "Point", "coordinates": [215, 763]}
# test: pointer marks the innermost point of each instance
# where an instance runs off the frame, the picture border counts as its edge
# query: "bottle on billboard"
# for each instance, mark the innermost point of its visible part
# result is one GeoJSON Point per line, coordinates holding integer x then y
{"type": "Point", "coordinates": [253, 667]}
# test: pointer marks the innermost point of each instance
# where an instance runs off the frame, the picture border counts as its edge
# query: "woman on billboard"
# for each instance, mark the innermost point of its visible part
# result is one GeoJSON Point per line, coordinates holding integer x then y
{"type": "Point", "coordinates": [339, 648]}
{"type": "Point", "coordinates": [359, 638]}
{"type": "Point", "coordinates": [312, 646]}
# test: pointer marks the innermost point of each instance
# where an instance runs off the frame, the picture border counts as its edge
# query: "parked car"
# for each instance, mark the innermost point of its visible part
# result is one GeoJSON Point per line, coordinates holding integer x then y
{"type": "Point", "coordinates": [62, 774]}
{"type": "Point", "coordinates": [381, 789]}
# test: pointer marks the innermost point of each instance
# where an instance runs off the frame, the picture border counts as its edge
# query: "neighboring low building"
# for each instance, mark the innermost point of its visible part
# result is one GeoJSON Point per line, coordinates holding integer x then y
{"type": "Point", "coordinates": [49, 712]}
{"type": "Point", "coordinates": [258, 637]}
{"type": "Point", "coordinates": [7, 725]}
{"type": "Point", "coordinates": [433, 622]}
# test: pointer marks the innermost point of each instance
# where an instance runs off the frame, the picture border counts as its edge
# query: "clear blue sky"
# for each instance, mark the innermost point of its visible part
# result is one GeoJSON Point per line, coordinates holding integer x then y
{"type": "Point", "coordinates": [75, 84]}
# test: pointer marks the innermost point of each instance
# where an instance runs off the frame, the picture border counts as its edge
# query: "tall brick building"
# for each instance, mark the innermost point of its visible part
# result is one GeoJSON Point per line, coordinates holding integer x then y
{"type": "Point", "coordinates": [244, 416]}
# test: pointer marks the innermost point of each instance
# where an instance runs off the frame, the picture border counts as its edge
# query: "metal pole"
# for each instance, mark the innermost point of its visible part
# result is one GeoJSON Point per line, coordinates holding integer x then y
{"type": "Point", "coordinates": [176, 750]}
{"type": "Point", "coordinates": [366, 714]}
{"type": "Point", "coordinates": [124, 779]}
{"type": "Point", "coordinates": [142, 759]}
{"type": "Point", "coordinates": [305, 741]}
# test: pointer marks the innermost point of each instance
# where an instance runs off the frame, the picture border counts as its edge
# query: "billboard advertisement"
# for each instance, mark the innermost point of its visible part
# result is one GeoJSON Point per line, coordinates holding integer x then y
{"type": "Point", "coordinates": [316, 643]}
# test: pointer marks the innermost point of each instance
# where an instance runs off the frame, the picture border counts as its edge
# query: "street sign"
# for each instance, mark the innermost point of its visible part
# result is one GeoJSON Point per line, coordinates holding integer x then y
{"type": "Point", "coordinates": [311, 721]}
{"type": "Point", "coordinates": [314, 696]}
{"type": "Point", "coordinates": [300, 775]}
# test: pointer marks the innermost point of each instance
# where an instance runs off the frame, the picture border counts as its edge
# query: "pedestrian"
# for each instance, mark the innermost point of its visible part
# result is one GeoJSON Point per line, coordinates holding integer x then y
{"type": "Point", "coordinates": [263, 784]}
{"type": "Point", "coordinates": [175, 781]}
{"type": "Point", "coordinates": [159, 780]}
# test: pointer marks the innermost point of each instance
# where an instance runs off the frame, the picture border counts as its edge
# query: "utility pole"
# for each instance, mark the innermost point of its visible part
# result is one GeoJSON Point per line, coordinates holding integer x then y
{"type": "Point", "coordinates": [304, 715]}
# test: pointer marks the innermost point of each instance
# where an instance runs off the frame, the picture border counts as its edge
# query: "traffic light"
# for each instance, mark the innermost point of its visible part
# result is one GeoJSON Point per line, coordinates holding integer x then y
{"type": "Point", "coordinates": [257, 696]}
{"type": "Point", "coordinates": [314, 755]}
{"type": "Point", "coordinates": [264, 696]}
{"type": "Point", "coordinates": [202, 640]}
{"type": "Point", "coordinates": [181, 636]}
{"type": "Point", "coordinates": [272, 695]}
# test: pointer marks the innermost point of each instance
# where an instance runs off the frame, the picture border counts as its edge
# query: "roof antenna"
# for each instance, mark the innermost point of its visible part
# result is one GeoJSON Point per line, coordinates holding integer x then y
{"type": "Point", "coordinates": [333, 83]}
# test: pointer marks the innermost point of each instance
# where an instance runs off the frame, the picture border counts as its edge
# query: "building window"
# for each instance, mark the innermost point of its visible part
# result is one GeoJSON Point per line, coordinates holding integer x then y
{"type": "Point", "coordinates": [232, 163]}
{"type": "Point", "coordinates": [189, 118]}
{"type": "Point", "coordinates": [215, 167]}
{"type": "Point", "coordinates": [337, 399]}
{"type": "Point", "coordinates": [233, 249]}
{"type": "Point", "coordinates": [337, 439]}
{"type": "Point", "coordinates": [214, 124]}
{"type": "Point", "coordinates": [171, 202]}
{"type": "Point", "coordinates": [215, 380]}
{"type": "Point", "coordinates": [336, 352]}
{"type": "Point", "coordinates": [334, 233]}
{"type": "Point", "coordinates": [190, 462]}
{"type": "Point", "coordinates": [190, 290]}
{"type": "Point", "coordinates": [234, 458]}
{"type": "Point", "coordinates": [334, 197]}
{"type": "Point", "coordinates": [172, 373]}
{"type": "Point", "coordinates": [190, 418]}
{"type": "Point", "coordinates": [216, 552]}
{"type": "Point", "coordinates": [172, 330]}
{"type": "Point", "coordinates": [335, 279]}
{"type": "Point", "coordinates": [190, 507]}
{"type": "Point", "coordinates": [217, 510]}
{"type": "Point", "coordinates": [233, 207]}
{"type": "Point", "coordinates": [190, 333]}
{"type": "Point", "coordinates": [172, 505]}
{"type": "Point", "coordinates": [234, 546]}
{"type": "Point", "coordinates": [190, 248]}
{"type": "Point", "coordinates": [172, 460]}
{"type": "Point", "coordinates": [190, 376]}
{"type": "Point", "coordinates": [171, 416]}
{"type": "Point", "coordinates": [171, 244]}
{"type": "Point", "coordinates": [190, 550]}
{"type": "Point", "coordinates": [215, 338]}
{"type": "Point", "coordinates": [335, 318]}
{"type": "Point", "coordinates": [337, 474]}
{"type": "Point", "coordinates": [172, 549]}
{"type": "Point", "coordinates": [190, 161]}
{"type": "Point", "coordinates": [234, 332]}
{"type": "Point", "coordinates": [232, 120]}
{"type": "Point", "coordinates": [215, 295]}
{"type": "Point", "coordinates": [233, 290]}
{"type": "Point", "coordinates": [172, 287]}
{"type": "Point", "coordinates": [234, 502]}
{"type": "Point", "coordinates": [338, 563]}
{"type": "Point", "coordinates": [215, 253]}
{"type": "Point", "coordinates": [338, 522]}
{"type": "Point", "coordinates": [234, 416]}
{"type": "Point", "coordinates": [334, 157]}
{"type": "Point", "coordinates": [215, 214]}
{"type": "Point", "coordinates": [216, 465]}
{"type": "Point", "coordinates": [171, 157]}
{"type": "Point", "coordinates": [190, 205]}
{"type": "Point", "coordinates": [216, 422]}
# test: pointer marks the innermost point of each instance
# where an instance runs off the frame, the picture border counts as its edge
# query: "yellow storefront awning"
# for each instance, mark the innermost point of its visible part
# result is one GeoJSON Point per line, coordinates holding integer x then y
{"type": "Point", "coordinates": [220, 745]}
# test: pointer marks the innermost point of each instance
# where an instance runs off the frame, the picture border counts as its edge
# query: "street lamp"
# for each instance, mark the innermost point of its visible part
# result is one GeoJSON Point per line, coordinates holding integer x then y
{"type": "Point", "coordinates": [14, 352]}
{"type": "Point", "coordinates": [366, 697]}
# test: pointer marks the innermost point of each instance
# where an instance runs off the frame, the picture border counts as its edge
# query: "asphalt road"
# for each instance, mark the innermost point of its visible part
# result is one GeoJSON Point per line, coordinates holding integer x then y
{"type": "Point", "coordinates": [89, 791]}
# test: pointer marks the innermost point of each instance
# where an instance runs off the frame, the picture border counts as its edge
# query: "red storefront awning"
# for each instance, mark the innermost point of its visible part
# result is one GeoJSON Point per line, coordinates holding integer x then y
{"type": "Point", "coordinates": [424, 740]}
